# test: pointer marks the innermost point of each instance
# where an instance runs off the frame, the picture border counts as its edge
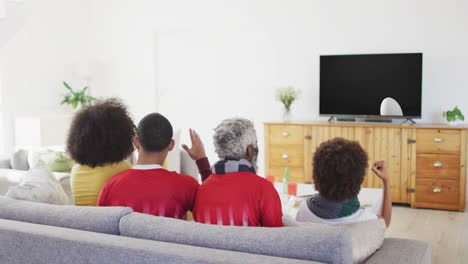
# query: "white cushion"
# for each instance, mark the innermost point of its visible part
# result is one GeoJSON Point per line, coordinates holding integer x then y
{"type": "Point", "coordinates": [35, 156]}
{"type": "Point", "coordinates": [39, 185]}
{"type": "Point", "coordinates": [19, 160]}
{"type": "Point", "coordinates": [173, 157]}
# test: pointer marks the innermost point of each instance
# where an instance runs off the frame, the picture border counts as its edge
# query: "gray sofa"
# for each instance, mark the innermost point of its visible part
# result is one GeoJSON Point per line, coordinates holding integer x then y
{"type": "Point", "coordinates": [42, 233]}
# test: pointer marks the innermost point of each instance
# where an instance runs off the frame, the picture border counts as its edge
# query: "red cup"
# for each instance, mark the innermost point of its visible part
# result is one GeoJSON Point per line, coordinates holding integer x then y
{"type": "Point", "coordinates": [292, 189]}
{"type": "Point", "coordinates": [271, 179]}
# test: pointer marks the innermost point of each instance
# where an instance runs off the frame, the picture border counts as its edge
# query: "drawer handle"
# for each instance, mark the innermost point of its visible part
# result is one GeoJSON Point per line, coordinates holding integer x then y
{"type": "Point", "coordinates": [438, 164]}
{"type": "Point", "coordinates": [285, 156]}
{"type": "Point", "coordinates": [285, 134]}
{"type": "Point", "coordinates": [438, 140]}
{"type": "Point", "coordinates": [437, 190]}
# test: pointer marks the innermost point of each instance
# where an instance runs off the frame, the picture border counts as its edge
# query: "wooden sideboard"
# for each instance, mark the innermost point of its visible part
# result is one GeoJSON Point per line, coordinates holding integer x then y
{"type": "Point", "coordinates": [427, 163]}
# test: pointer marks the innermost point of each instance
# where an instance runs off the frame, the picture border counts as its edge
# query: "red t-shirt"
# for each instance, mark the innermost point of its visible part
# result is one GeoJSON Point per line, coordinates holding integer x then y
{"type": "Point", "coordinates": [240, 199]}
{"type": "Point", "coordinates": [154, 191]}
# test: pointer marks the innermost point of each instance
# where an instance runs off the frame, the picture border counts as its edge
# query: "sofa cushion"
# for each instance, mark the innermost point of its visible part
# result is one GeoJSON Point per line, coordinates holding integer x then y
{"type": "Point", "coordinates": [39, 185]}
{"type": "Point", "coordinates": [96, 219]}
{"type": "Point", "coordinates": [57, 161]}
{"type": "Point", "coordinates": [402, 251]}
{"type": "Point", "coordinates": [366, 237]}
{"type": "Point", "coordinates": [5, 161]}
{"type": "Point", "coordinates": [315, 242]}
{"type": "Point", "coordinates": [19, 160]}
{"type": "Point", "coordinates": [8, 178]}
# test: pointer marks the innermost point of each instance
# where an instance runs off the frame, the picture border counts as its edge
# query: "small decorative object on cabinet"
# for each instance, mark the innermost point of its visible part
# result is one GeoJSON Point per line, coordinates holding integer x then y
{"type": "Point", "coordinates": [454, 117]}
{"type": "Point", "coordinates": [287, 96]}
{"type": "Point", "coordinates": [427, 163]}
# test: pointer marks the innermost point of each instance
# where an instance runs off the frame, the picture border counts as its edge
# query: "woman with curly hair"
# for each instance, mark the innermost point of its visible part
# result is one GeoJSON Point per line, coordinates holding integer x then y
{"type": "Point", "coordinates": [339, 169]}
{"type": "Point", "coordinates": [100, 138]}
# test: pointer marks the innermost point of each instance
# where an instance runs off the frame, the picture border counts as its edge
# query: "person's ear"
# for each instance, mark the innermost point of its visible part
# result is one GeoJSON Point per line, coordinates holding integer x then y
{"type": "Point", "coordinates": [250, 153]}
{"type": "Point", "coordinates": [136, 142]}
{"type": "Point", "coordinates": [171, 145]}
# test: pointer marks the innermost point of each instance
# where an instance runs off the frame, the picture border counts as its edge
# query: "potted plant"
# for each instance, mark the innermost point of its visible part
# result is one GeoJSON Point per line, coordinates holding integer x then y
{"type": "Point", "coordinates": [454, 117]}
{"type": "Point", "coordinates": [76, 98]}
{"type": "Point", "coordinates": [287, 96]}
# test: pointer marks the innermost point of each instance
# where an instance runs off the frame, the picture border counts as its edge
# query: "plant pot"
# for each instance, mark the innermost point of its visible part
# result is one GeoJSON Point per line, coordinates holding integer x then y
{"type": "Point", "coordinates": [456, 123]}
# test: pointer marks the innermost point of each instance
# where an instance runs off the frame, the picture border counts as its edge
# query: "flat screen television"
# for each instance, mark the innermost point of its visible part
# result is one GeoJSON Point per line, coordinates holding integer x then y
{"type": "Point", "coordinates": [356, 85]}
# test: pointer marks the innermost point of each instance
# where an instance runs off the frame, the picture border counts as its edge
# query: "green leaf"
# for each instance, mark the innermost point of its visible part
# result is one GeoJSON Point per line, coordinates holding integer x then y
{"type": "Point", "coordinates": [75, 98]}
{"type": "Point", "coordinates": [67, 86]}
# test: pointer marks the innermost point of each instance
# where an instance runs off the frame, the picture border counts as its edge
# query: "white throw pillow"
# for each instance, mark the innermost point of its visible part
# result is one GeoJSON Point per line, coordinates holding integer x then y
{"type": "Point", "coordinates": [39, 185]}
{"type": "Point", "coordinates": [173, 157]}
{"type": "Point", "coordinates": [37, 157]}
{"type": "Point", "coordinates": [19, 160]}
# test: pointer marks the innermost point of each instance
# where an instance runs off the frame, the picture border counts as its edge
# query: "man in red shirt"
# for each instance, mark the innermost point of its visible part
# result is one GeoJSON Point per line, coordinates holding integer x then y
{"type": "Point", "coordinates": [234, 194]}
{"type": "Point", "coordinates": [148, 187]}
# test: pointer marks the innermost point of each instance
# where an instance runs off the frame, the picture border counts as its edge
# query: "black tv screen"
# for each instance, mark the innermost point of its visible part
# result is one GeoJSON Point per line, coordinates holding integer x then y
{"type": "Point", "coordinates": [356, 85]}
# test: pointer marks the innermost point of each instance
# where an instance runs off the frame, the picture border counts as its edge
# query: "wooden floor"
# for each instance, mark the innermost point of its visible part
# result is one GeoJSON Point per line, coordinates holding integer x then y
{"type": "Point", "coordinates": [446, 231]}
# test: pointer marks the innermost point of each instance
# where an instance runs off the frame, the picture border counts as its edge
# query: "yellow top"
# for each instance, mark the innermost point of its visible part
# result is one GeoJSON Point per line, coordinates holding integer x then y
{"type": "Point", "coordinates": [87, 182]}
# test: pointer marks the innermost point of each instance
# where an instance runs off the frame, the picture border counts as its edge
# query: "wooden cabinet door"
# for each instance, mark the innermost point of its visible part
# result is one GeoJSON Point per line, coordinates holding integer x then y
{"type": "Point", "coordinates": [313, 137]}
{"type": "Point", "coordinates": [392, 145]}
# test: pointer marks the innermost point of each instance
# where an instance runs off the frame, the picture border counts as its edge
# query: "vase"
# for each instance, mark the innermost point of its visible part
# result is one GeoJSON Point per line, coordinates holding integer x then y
{"type": "Point", "coordinates": [456, 123]}
{"type": "Point", "coordinates": [287, 115]}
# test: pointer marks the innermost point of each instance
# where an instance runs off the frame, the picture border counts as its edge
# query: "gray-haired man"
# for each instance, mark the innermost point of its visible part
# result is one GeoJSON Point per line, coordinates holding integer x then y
{"type": "Point", "coordinates": [234, 194]}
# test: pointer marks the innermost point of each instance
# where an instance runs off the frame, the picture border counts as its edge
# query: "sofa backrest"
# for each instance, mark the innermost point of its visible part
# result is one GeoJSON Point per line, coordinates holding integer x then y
{"type": "Point", "coordinates": [22, 242]}
{"type": "Point", "coordinates": [96, 219]}
{"type": "Point", "coordinates": [315, 242]}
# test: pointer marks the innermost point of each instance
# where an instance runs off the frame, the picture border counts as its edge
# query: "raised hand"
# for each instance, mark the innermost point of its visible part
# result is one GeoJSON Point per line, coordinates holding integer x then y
{"type": "Point", "coordinates": [380, 169]}
{"type": "Point", "coordinates": [197, 151]}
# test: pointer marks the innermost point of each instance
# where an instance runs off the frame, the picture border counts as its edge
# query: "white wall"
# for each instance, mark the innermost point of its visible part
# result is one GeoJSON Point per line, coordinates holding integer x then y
{"type": "Point", "coordinates": [39, 57]}
{"type": "Point", "coordinates": [2, 8]}
{"type": "Point", "coordinates": [123, 45]}
{"type": "Point", "coordinates": [201, 61]}
{"type": "Point", "coordinates": [216, 59]}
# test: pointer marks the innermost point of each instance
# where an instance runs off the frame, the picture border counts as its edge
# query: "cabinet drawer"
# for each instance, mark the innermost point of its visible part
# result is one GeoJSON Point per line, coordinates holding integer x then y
{"type": "Point", "coordinates": [295, 174]}
{"type": "Point", "coordinates": [437, 191]}
{"type": "Point", "coordinates": [438, 166]}
{"type": "Point", "coordinates": [287, 156]}
{"type": "Point", "coordinates": [438, 141]}
{"type": "Point", "coordinates": [287, 134]}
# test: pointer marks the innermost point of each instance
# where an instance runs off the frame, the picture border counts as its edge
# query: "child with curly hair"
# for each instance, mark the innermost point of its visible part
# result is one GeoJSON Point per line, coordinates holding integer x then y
{"type": "Point", "coordinates": [339, 167]}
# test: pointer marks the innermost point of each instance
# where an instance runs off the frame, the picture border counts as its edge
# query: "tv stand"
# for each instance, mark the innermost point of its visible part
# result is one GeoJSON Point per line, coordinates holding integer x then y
{"type": "Point", "coordinates": [341, 119]}
{"type": "Point", "coordinates": [426, 162]}
{"type": "Point", "coordinates": [409, 120]}
{"type": "Point", "coordinates": [378, 120]}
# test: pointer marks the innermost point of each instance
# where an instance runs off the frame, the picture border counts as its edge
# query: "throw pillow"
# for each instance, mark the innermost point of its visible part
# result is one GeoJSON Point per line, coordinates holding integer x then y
{"type": "Point", "coordinates": [57, 161]}
{"type": "Point", "coordinates": [39, 156]}
{"type": "Point", "coordinates": [61, 163]}
{"type": "Point", "coordinates": [19, 160]}
{"type": "Point", "coordinates": [39, 185]}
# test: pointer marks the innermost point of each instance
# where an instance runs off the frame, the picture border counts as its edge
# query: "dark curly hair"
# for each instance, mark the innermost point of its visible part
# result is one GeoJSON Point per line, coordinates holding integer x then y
{"type": "Point", "coordinates": [339, 169]}
{"type": "Point", "coordinates": [101, 133]}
